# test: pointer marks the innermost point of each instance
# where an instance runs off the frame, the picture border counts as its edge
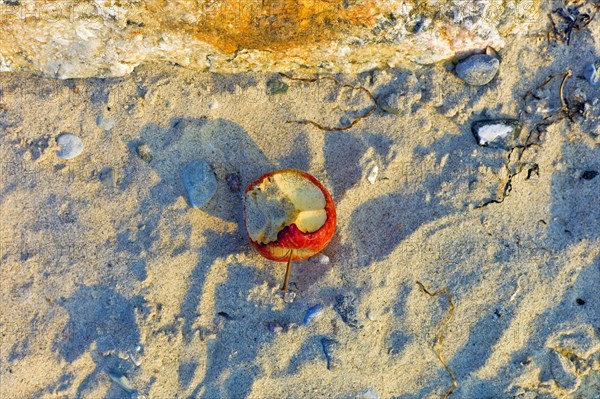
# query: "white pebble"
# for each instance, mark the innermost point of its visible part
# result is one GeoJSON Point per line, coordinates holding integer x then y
{"type": "Point", "coordinates": [371, 315]}
{"type": "Point", "coordinates": [213, 105]}
{"type": "Point", "coordinates": [373, 174]}
{"type": "Point", "coordinates": [289, 297]}
{"type": "Point", "coordinates": [71, 146]}
{"type": "Point", "coordinates": [323, 259]}
{"type": "Point", "coordinates": [492, 132]}
{"type": "Point", "coordinates": [134, 359]}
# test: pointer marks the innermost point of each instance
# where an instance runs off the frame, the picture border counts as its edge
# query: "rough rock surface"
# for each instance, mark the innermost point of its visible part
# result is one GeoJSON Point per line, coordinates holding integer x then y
{"type": "Point", "coordinates": [110, 38]}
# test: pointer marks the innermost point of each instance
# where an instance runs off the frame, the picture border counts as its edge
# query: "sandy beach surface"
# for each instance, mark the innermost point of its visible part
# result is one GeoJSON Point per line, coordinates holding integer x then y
{"type": "Point", "coordinates": [112, 286]}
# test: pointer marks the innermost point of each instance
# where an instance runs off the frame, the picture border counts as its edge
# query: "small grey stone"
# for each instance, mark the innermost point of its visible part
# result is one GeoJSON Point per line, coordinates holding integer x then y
{"type": "Point", "coordinates": [276, 327]}
{"type": "Point", "coordinates": [200, 183]}
{"type": "Point", "coordinates": [497, 133]}
{"type": "Point", "coordinates": [589, 175]}
{"type": "Point", "coordinates": [592, 73]}
{"type": "Point", "coordinates": [71, 146]}
{"type": "Point", "coordinates": [330, 348]}
{"type": "Point", "coordinates": [144, 152]}
{"type": "Point", "coordinates": [478, 70]}
{"type": "Point", "coordinates": [345, 306]}
{"type": "Point", "coordinates": [371, 315]}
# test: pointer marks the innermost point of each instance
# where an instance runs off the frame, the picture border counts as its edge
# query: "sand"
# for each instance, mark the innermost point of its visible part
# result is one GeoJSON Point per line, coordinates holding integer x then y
{"type": "Point", "coordinates": [105, 265]}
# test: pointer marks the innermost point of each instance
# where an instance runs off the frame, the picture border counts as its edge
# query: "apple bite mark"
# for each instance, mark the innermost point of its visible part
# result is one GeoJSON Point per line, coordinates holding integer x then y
{"type": "Point", "coordinates": [281, 200]}
{"type": "Point", "coordinates": [289, 215]}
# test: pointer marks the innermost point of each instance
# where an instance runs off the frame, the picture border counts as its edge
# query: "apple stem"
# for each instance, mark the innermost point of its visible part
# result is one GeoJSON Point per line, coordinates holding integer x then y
{"type": "Point", "coordinates": [287, 272]}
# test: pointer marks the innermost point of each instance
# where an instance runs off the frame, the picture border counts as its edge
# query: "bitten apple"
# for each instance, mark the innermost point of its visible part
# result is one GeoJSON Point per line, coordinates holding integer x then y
{"type": "Point", "coordinates": [289, 216]}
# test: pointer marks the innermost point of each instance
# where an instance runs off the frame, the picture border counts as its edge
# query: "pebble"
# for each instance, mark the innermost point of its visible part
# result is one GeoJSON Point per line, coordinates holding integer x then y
{"type": "Point", "coordinates": [592, 73]}
{"type": "Point", "coordinates": [234, 182]}
{"type": "Point", "coordinates": [320, 258]}
{"type": "Point", "coordinates": [489, 50]}
{"type": "Point", "coordinates": [276, 327]}
{"type": "Point", "coordinates": [71, 146]}
{"type": "Point", "coordinates": [589, 174]}
{"type": "Point", "coordinates": [371, 315]}
{"type": "Point", "coordinates": [478, 69]}
{"type": "Point", "coordinates": [345, 306]}
{"type": "Point", "coordinates": [496, 133]}
{"type": "Point", "coordinates": [134, 359]}
{"type": "Point", "coordinates": [330, 348]}
{"type": "Point", "coordinates": [213, 105]}
{"type": "Point", "coordinates": [373, 174]}
{"type": "Point", "coordinates": [289, 297]}
{"type": "Point", "coordinates": [200, 183]}
{"type": "Point", "coordinates": [144, 151]}
{"type": "Point", "coordinates": [312, 313]}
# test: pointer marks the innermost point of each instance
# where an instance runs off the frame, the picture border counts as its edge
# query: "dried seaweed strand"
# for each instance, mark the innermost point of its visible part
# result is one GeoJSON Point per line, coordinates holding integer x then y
{"type": "Point", "coordinates": [557, 115]}
{"type": "Point", "coordinates": [573, 18]}
{"type": "Point", "coordinates": [439, 342]}
{"type": "Point", "coordinates": [336, 82]}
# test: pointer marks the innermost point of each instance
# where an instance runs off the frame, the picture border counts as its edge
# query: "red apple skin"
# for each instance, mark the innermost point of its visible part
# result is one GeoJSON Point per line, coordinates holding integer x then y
{"type": "Point", "coordinates": [304, 245]}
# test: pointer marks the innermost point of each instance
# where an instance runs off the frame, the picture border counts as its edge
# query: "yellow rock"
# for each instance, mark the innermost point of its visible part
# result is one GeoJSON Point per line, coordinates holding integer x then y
{"type": "Point", "coordinates": [110, 38]}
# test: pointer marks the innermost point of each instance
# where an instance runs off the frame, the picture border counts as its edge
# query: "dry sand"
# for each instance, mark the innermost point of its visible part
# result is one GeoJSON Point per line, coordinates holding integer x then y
{"type": "Point", "coordinates": [102, 253]}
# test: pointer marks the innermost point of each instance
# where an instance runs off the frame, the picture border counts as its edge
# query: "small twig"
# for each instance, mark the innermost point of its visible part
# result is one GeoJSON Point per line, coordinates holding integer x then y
{"type": "Point", "coordinates": [336, 128]}
{"type": "Point", "coordinates": [288, 269]}
{"type": "Point", "coordinates": [440, 338]}
{"type": "Point", "coordinates": [563, 100]}
{"type": "Point", "coordinates": [557, 115]}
